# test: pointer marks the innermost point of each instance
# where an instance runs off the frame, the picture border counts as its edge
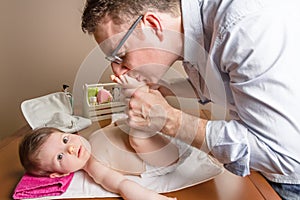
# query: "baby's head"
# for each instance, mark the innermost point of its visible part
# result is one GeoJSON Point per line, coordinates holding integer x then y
{"type": "Point", "coordinates": [51, 152]}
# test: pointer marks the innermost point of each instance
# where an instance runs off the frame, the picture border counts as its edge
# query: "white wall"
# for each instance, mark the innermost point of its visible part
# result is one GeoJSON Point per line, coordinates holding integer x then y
{"type": "Point", "coordinates": [41, 48]}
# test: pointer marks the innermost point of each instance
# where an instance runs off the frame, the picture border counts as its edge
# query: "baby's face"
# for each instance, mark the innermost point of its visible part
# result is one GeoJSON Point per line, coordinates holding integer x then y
{"type": "Point", "coordinates": [64, 153]}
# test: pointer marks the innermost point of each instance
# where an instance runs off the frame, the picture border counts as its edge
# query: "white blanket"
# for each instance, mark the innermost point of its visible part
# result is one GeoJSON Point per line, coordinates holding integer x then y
{"type": "Point", "coordinates": [197, 168]}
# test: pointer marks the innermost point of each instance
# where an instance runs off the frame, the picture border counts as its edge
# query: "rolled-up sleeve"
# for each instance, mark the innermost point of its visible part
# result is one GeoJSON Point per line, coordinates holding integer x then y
{"type": "Point", "coordinates": [228, 143]}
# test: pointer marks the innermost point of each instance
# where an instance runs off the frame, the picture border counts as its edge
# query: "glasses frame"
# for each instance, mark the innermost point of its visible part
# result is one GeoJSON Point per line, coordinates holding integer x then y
{"type": "Point", "coordinates": [114, 55]}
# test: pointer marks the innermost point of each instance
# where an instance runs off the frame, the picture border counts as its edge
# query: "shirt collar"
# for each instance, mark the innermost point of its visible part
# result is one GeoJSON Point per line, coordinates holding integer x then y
{"type": "Point", "coordinates": [193, 30]}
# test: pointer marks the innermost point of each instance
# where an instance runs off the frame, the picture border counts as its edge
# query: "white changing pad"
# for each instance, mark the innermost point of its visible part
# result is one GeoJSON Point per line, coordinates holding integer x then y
{"type": "Point", "coordinates": [197, 168]}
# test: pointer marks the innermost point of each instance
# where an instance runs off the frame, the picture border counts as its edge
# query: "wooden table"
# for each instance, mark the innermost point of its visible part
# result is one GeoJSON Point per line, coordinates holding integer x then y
{"type": "Point", "coordinates": [225, 186]}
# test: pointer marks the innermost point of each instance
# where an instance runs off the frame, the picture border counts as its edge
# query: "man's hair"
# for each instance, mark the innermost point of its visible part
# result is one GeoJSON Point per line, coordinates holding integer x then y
{"type": "Point", "coordinates": [29, 149]}
{"type": "Point", "coordinates": [121, 11]}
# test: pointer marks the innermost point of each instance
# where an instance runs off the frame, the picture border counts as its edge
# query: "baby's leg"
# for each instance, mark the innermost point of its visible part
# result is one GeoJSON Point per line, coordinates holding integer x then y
{"type": "Point", "coordinates": [155, 150]}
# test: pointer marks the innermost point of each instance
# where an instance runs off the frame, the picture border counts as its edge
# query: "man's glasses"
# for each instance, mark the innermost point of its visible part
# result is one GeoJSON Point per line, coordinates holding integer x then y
{"type": "Point", "coordinates": [114, 55]}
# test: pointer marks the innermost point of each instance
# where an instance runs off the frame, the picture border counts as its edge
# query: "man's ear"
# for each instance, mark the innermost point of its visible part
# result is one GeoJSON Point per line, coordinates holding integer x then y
{"type": "Point", "coordinates": [56, 175]}
{"type": "Point", "coordinates": [153, 21]}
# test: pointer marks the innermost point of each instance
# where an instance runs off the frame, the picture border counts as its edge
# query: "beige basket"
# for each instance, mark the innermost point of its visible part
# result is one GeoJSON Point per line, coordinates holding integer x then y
{"type": "Point", "coordinates": [105, 110]}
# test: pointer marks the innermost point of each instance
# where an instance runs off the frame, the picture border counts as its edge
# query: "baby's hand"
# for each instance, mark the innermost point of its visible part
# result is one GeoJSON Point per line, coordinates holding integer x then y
{"type": "Point", "coordinates": [168, 198]}
{"type": "Point", "coordinates": [158, 196]}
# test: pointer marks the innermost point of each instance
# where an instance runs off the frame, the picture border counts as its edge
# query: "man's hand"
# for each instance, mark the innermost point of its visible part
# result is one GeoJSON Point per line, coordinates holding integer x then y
{"type": "Point", "coordinates": [148, 111]}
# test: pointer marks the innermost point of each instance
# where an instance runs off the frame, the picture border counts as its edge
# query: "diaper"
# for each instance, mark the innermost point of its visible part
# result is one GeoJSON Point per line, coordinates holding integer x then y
{"type": "Point", "coordinates": [184, 150]}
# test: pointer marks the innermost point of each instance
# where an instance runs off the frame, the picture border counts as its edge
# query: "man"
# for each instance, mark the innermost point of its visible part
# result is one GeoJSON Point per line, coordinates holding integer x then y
{"type": "Point", "coordinates": [238, 54]}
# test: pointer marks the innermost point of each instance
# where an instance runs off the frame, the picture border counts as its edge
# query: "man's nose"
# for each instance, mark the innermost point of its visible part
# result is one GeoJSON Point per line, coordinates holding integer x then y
{"type": "Point", "coordinates": [119, 69]}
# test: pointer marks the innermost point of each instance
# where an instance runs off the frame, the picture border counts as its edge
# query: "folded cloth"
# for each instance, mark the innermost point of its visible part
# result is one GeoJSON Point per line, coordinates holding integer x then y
{"type": "Point", "coordinates": [34, 187]}
{"type": "Point", "coordinates": [68, 123]}
{"type": "Point", "coordinates": [53, 110]}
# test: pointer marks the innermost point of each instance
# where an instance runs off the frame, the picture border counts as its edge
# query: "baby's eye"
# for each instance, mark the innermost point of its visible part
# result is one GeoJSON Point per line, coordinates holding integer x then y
{"type": "Point", "coordinates": [60, 156]}
{"type": "Point", "coordinates": [65, 139]}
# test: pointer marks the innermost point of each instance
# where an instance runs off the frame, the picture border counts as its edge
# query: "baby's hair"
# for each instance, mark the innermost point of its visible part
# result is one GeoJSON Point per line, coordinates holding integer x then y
{"type": "Point", "coordinates": [29, 149]}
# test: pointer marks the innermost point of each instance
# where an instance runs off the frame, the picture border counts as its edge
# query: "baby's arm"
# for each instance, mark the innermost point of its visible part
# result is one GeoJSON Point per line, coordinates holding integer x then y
{"type": "Point", "coordinates": [118, 183]}
{"type": "Point", "coordinates": [153, 148]}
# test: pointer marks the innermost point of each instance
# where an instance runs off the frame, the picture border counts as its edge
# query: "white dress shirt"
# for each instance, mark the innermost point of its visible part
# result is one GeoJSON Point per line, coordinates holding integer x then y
{"type": "Point", "coordinates": [251, 66]}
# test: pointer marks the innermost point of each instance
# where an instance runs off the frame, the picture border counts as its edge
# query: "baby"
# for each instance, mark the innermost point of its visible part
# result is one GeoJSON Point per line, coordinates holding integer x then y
{"type": "Point", "coordinates": [51, 152]}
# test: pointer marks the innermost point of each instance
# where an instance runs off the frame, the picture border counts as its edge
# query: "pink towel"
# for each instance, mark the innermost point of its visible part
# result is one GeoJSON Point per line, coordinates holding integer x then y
{"type": "Point", "coordinates": [33, 187]}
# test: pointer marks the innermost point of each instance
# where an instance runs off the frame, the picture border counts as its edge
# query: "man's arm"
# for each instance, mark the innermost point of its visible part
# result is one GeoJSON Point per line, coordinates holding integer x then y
{"type": "Point", "coordinates": [162, 116]}
{"type": "Point", "coordinates": [188, 128]}
{"type": "Point", "coordinates": [115, 182]}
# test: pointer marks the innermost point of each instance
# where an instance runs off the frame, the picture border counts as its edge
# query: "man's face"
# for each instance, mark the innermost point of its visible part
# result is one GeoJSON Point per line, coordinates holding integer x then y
{"type": "Point", "coordinates": [143, 55]}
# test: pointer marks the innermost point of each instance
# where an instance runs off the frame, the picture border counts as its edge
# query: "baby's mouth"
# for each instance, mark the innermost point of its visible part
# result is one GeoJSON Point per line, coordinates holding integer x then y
{"type": "Point", "coordinates": [79, 151]}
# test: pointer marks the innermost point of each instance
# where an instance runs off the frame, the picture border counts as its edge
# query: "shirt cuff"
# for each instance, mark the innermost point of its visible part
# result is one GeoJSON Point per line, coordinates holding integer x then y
{"type": "Point", "coordinates": [228, 143]}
